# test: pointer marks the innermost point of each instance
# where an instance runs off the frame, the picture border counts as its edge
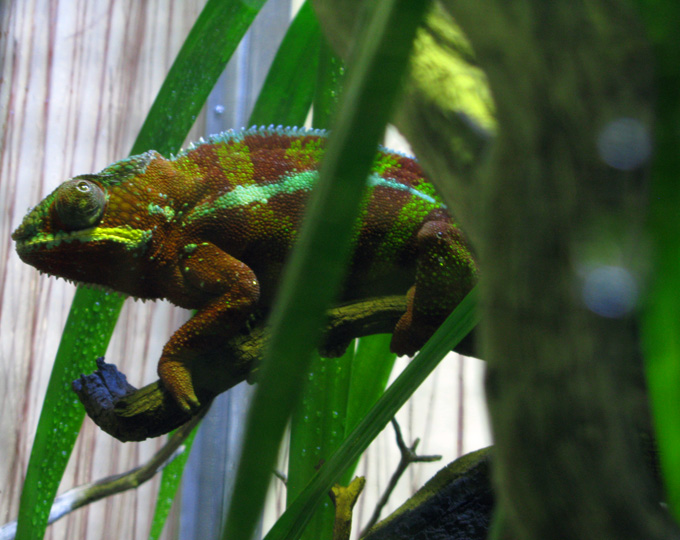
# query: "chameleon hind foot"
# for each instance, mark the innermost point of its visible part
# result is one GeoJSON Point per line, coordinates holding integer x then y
{"type": "Point", "coordinates": [176, 379]}
{"type": "Point", "coordinates": [445, 272]}
{"type": "Point", "coordinates": [411, 332]}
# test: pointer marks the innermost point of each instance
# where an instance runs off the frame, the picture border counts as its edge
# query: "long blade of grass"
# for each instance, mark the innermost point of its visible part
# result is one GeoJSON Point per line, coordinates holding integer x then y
{"type": "Point", "coordinates": [313, 274]}
{"type": "Point", "coordinates": [318, 422]}
{"type": "Point", "coordinates": [170, 480]}
{"type": "Point", "coordinates": [317, 429]}
{"type": "Point", "coordinates": [455, 328]}
{"type": "Point", "coordinates": [338, 393]}
{"type": "Point", "coordinates": [93, 314]}
{"type": "Point", "coordinates": [371, 369]}
{"type": "Point", "coordinates": [86, 334]}
{"type": "Point", "coordinates": [661, 320]}
{"type": "Point", "coordinates": [288, 90]}
{"type": "Point", "coordinates": [204, 54]}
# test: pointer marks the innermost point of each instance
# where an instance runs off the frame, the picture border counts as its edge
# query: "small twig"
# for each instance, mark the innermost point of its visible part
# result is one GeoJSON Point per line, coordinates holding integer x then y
{"type": "Point", "coordinates": [344, 499]}
{"type": "Point", "coordinates": [88, 493]}
{"type": "Point", "coordinates": [408, 456]}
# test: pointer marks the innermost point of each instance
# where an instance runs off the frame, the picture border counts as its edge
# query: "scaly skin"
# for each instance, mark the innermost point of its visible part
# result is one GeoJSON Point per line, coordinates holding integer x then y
{"type": "Point", "coordinates": [210, 230]}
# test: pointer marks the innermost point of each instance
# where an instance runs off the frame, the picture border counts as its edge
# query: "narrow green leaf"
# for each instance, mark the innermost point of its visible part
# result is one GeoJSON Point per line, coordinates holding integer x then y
{"type": "Point", "coordinates": [371, 369]}
{"type": "Point", "coordinates": [288, 90]}
{"type": "Point", "coordinates": [317, 424]}
{"type": "Point", "coordinates": [93, 314]}
{"type": "Point", "coordinates": [87, 332]}
{"type": "Point", "coordinates": [204, 54]}
{"type": "Point", "coordinates": [455, 328]}
{"type": "Point", "coordinates": [170, 480]}
{"type": "Point", "coordinates": [329, 79]}
{"type": "Point", "coordinates": [285, 98]}
{"type": "Point", "coordinates": [338, 393]}
{"type": "Point", "coordinates": [661, 319]}
{"type": "Point", "coordinates": [315, 269]}
{"type": "Point", "coordinates": [317, 429]}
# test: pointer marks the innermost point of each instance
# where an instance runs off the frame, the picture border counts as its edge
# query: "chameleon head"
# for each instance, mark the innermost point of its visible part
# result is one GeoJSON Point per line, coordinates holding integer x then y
{"type": "Point", "coordinates": [70, 234]}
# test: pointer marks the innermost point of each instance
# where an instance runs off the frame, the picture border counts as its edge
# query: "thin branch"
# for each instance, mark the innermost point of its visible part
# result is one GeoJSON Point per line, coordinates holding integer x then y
{"type": "Point", "coordinates": [88, 493]}
{"type": "Point", "coordinates": [131, 414]}
{"type": "Point", "coordinates": [408, 456]}
{"type": "Point", "coordinates": [344, 499]}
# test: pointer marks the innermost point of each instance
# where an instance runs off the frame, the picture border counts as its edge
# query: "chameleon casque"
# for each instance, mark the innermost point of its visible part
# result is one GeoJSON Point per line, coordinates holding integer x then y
{"type": "Point", "coordinates": [210, 230]}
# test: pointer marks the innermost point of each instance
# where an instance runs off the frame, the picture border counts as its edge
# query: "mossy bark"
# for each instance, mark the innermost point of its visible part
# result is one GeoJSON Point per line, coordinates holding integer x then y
{"type": "Point", "coordinates": [563, 381]}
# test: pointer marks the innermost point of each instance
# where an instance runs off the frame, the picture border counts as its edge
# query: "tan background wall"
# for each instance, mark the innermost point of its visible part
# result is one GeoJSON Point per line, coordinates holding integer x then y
{"type": "Point", "coordinates": [77, 81]}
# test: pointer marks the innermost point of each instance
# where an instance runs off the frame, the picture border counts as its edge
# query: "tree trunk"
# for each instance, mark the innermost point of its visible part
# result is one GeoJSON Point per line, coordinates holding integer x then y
{"type": "Point", "coordinates": [556, 216]}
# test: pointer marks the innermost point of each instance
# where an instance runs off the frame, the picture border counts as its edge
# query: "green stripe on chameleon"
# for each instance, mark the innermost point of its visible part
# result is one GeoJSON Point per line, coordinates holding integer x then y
{"type": "Point", "coordinates": [413, 211]}
{"type": "Point", "coordinates": [257, 193]}
{"type": "Point", "coordinates": [132, 238]}
{"type": "Point", "coordinates": [242, 196]}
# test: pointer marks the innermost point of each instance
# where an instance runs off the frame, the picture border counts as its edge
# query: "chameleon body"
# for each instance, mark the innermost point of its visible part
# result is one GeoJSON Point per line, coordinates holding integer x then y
{"type": "Point", "coordinates": [210, 230]}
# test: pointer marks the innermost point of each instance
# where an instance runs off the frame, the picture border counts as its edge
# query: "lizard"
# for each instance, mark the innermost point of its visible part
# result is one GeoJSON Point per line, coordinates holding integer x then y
{"type": "Point", "coordinates": [210, 230]}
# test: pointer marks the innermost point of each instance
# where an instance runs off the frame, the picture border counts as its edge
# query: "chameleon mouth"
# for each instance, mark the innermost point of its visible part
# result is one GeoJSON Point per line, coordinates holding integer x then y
{"type": "Point", "coordinates": [58, 255]}
{"type": "Point", "coordinates": [88, 284]}
{"type": "Point", "coordinates": [127, 236]}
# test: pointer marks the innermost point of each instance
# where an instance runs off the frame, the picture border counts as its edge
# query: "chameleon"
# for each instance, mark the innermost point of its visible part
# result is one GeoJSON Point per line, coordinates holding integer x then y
{"type": "Point", "coordinates": [210, 230]}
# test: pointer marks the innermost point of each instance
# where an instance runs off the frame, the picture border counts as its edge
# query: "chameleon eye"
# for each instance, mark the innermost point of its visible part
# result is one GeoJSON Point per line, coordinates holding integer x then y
{"type": "Point", "coordinates": [79, 204]}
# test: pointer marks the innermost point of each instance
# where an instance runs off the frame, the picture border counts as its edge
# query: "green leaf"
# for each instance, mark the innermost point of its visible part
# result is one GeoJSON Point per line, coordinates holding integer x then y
{"type": "Point", "coordinates": [371, 369]}
{"type": "Point", "coordinates": [170, 480]}
{"type": "Point", "coordinates": [93, 314]}
{"type": "Point", "coordinates": [661, 319]}
{"type": "Point", "coordinates": [204, 54]}
{"type": "Point", "coordinates": [455, 328]}
{"type": "Point", "coordinates": [317, 424]}
{"type": "Point", "coordinates": [317, 429]}
{"type": "Point", "coordinates": [338, 393]}
{"type": "Point", "coordinates": [329, 79]}
{"type": "Point", "coordinates": [87, 332]}
{"type": "Point", "coordinates": [288, 90]}
{"type": "Point", "coordinates": [285, 98]}
{"type": "Point", "coordinates": [313, 274]}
